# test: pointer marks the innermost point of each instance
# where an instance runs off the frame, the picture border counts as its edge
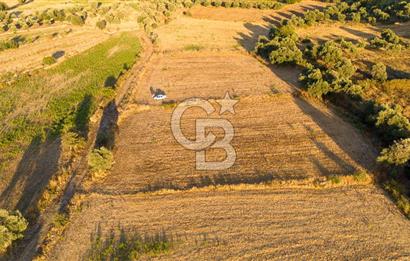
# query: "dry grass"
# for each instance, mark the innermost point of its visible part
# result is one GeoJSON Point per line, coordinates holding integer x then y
{"type": "Point", "coordinates": [265, 224]}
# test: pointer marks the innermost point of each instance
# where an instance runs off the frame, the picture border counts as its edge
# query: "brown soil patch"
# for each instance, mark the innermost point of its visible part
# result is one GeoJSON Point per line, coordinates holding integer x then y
{"type": "Point", "coordinates": [263, 224]}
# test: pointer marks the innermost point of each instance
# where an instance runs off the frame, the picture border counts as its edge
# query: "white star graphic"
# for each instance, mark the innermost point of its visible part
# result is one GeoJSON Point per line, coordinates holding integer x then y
{"type": "Point", "coordinates": [227, 104]}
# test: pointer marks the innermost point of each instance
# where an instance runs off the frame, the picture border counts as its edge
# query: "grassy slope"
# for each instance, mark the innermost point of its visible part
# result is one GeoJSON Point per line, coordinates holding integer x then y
{"type": "Point", "coordinates": [63, 97]}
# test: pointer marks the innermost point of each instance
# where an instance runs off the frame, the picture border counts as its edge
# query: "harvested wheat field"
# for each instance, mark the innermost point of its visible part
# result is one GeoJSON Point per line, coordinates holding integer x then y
{"type": "Point", "coordinates": [271, 144]}
{"type": "Point", "coordinates": [248, 224]}
{"type": "Point", "coordinates": [208, 74]}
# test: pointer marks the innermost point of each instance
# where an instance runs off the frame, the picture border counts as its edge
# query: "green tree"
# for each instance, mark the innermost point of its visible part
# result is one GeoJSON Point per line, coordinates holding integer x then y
{"type": "Point", "coordinates": [285, 50]}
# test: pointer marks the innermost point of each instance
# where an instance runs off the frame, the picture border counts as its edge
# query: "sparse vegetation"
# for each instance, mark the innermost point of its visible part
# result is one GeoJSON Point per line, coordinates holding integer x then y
{"type": "Point", "coordinates": [102, 24]}
{"type": "Point", "coordinates": [379, 72]}
{"type": "Point", "coordinates": [49, 60]}
{"type": "Point", "coordinates": [128, 246]}
{"type": "Point", "coordinates": [193, 47]}
{"type": "Point", "coordinates": [100, 161]}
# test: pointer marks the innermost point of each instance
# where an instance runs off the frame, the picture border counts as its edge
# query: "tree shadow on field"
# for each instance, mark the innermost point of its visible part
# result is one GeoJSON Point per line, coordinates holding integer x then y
{"type": "Point", "coordinates": [343, 135]}
{"type": "Point", "coordinates": [276, 18]}
{"type": "Point", "coordinates": [358, 33]}
{"type": "Point", "coordinates": [82, 117]}
{"type": "Point", "coordinates": [110, 81]}
{"type": "Point", "coordinates": [108, 128]}
{"type": "Point", "coordinates": [38, 164]}
{"type": "Point", "coordinates": [249, 40]}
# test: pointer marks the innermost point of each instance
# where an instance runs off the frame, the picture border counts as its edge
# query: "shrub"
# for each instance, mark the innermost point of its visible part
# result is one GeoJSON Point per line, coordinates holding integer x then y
{"type": "Point", "coordinates": [3, 6]}
{"type": "Point", "coordinates": [12, 227]}
{"type": "Point", "coordinates": [347, 45]}
{"type": "Point", "coordinates": [341, 17]}
{"type": "Point", "coordinates": [382, 16]}
{"type": "Point", "coordinates": [49, 60]}
{"type": "Point", "coordinates": [127, 245]}
{"type": "Point", "coordinates": [388, 40]}
{"type": "Point", "coordinates": [205, 2]}
{"type": "Point", "coordinates": [400, 199]}
{"type": "Point", "coordinates": [235, 4]}
{"type": "Point", "coordinates": [397, 154]}
{"type": "Point", "coordinates": [379, 72]}
{"type": "Point", "coordinates": [100, 161]}
{"type": "Point", "coordinates": [356, 17]}
{"type": "Point", "coordinates": [193, 47]}
{"type": "Point", "coordinates": [296, 21]}
{"type": "Point", "coordinates": [217, 3]}
{"type": "Point", "coordinates": [390, 36]}
{"type": "Point", "coordinates": [283, 31]}
{"type": "Point", "coordinates": [76, 20]}
{"type": "Point", "coordinates": [372, 20]}
{"type": "Point", "coordinates": [3, 15]}
{"type": "Point", "coordinates": [102, 24]}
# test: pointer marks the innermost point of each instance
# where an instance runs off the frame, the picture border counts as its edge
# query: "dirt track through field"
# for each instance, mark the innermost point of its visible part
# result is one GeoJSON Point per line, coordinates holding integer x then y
{"type": "Point", "coordinates": [278, 136]}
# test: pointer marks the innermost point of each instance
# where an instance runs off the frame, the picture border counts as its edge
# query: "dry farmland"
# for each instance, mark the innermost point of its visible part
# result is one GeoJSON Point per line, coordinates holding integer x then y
{"type": "Point", "coordinates": [304, 183]}
{"type": "Point", "coordinates": [252, 223]}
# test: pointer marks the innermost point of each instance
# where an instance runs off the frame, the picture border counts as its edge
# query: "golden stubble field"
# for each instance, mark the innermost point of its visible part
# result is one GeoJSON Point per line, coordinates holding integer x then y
{"type": "Point", "coordinates": [246, 224]}
{"type": "Point", "coordinates": [277, 137]}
